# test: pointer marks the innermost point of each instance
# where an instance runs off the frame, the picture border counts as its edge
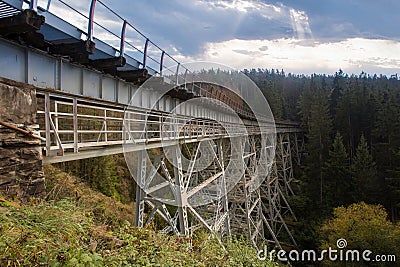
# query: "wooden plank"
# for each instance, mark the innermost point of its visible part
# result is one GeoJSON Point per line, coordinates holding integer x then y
{"type": "Point", "coordinates": [23, 131]}
{"type": "Point", "coordinates": [26, 21]}
{"type": "Point", "coordinates": [78, 50]}
{"type": "Point", "coordinates": [135, 76]}
{"type": "Point", "coordinates": [35, 39]}
{"type": "Point", "coordinates": [108, 63]}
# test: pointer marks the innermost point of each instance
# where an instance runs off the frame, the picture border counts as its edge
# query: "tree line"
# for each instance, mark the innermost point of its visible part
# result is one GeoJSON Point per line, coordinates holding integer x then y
{"type": "Point", "coordinates": [352, 130]}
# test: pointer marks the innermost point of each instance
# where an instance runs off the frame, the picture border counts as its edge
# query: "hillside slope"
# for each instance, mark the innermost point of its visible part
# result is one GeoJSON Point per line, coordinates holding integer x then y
{"type": "Point", "coordinates": [76, 226]}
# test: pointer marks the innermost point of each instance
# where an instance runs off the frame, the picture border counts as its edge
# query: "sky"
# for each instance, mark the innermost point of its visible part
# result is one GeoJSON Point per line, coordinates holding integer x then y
{"type": "Point", "coordinates": [299, 36]}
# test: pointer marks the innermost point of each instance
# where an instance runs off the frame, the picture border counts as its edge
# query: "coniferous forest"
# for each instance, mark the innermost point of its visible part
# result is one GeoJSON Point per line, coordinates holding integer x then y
{"type": "Point", "coordinates": [352, 132]}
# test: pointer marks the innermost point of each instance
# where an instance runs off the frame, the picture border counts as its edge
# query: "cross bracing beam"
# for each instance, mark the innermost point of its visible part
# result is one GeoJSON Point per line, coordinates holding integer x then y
{"type": "Point", "coordinates": [214, 218]}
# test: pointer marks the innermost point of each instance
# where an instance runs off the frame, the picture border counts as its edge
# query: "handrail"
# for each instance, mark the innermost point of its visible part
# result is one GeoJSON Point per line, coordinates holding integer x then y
{"type": "Point", "coordinates": [95, 123]}
{"type": "Point", "coordinates": [33, 5]}
{"type": "Point", "coordinates": [122, 43]}
{"type": "Point", "coordinates": [91, 19]}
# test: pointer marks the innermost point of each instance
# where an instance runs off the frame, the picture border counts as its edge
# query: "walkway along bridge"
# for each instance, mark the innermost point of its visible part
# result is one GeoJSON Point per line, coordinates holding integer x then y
{"type": "Point", "coordinates": [89, 86]}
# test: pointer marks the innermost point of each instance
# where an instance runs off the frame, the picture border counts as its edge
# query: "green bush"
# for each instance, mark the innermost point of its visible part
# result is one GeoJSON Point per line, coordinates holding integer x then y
{"type": "Point", "coordinates": [365, 227]}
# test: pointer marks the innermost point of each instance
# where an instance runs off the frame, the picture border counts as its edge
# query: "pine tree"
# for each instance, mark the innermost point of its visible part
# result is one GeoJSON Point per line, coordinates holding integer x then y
{"type": "Point", "coordinates": [338, 186]}
{"type": "Point", "coordinates": [365, 175]}
{"type": "Point", "coordinates": [319, 125]}
{"type": "Point", "coordinates": [337, 88]}
{"type": "Point", "coordinates": [387, 125]}
{"type": "Point", "coordinates": [345, 113]}
{"type": "Point", "coordinates": [393, 185]}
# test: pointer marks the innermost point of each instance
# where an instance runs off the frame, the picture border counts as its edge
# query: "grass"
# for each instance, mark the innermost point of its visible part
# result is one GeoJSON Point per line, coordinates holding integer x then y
{"type": "Point", "coordinates": [105, 209]}
{"type": "Point", "coordinates": [76, 226]}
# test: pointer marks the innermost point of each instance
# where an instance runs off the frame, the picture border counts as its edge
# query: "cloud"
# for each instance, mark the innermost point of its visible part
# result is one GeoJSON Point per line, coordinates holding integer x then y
{"type": "Point", "coordinates": [244, 52]}
{"type": "Point", "coordinates": [342, 19]}
{"type": "Point", "coordinates": [298, 36]}
{"type": "Point", "coordinates": [352, 55]}
{"type": "Point", "coordinates": [189, 24]}
{"type": "Point", "coordinates": [300, 24]}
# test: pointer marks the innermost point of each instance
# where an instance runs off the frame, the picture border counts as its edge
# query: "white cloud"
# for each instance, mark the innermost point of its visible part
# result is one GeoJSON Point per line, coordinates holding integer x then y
{"type": "Point", "coordinates": [245, 34]}
{"type": "Point", "coordinates": [300, 23]}
{"type": "Point", "coordinates": [278, 14]}
{"type": "Point", "coordinates": [240, 5]}
{"type": "Point", "coordinates": [299, 56]}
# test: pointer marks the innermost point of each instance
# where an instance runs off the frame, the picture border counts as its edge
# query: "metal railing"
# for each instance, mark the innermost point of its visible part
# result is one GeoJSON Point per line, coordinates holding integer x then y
{"type": "Point", "coordinates": [145, 47]}
{"type": "Point", "coordinates": [71, 123]}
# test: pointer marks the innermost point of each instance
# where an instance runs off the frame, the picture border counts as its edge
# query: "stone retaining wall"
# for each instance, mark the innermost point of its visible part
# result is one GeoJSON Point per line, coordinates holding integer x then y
{"type": "Point", "coordinates": [21, 173]}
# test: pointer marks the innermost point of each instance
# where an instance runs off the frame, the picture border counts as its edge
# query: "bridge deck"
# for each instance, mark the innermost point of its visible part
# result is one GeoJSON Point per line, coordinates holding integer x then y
{"type": "Point", "coordinates": [83, 117]}
{"type": "Point", "coordinates": [77, 127]}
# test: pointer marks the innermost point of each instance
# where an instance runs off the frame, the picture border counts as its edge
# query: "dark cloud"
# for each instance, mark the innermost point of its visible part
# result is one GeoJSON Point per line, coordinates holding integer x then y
{"type": "Point", "coordinates": [188, 25]}
{"type": "Point", "coordinates": [339, 19]}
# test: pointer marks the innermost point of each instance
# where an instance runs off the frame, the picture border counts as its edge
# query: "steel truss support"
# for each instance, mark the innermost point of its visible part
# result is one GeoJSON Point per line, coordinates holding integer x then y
{"type": "Point", "coordinates": [180, 189]}
{"type": "Point", "coordinates": [246, 207]}
{"type": "Point", "coordinates": [184, 183]}
{"type": "Point", "coordinates": [140, 194]}
{"type": "Point", "coordinates": [297, 146]}
{"type": "Point", "coordinates": [216, 213]}
{"type": "Point", "coordinates": [257, 212]}
{"type": "Point", "coordinates": [284, 162]}
{"type": "Point", "coordinates": [276, 188]}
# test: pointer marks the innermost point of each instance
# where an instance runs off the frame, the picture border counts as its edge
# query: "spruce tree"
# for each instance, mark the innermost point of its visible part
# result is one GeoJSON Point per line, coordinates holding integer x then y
{"type": "Point", "coordinates": [393, 186]}
{"type": "Point", "coordinates": [387, 124]}
{"type": "Point", "coordinates": [365, 175]}
{"type": "Point", "coordinates": [320, 125]}
{"type": "Point", "coordinates": [338, 186]}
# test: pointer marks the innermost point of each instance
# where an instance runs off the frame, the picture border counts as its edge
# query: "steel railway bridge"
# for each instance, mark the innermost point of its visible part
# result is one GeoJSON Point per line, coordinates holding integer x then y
{"type": "Point", "coordinates": [85, 75]}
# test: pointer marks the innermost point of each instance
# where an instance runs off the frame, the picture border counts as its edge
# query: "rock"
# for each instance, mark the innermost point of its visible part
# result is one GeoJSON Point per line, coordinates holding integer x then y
{"type": "Point", "coordinates": [18, 104]}
{"type": "Point", "coordinates": [21, 171]}
{"type": "Point", "coordinates": [30, 153]}
{"type": "Point", "coordinates": [7, 179]}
